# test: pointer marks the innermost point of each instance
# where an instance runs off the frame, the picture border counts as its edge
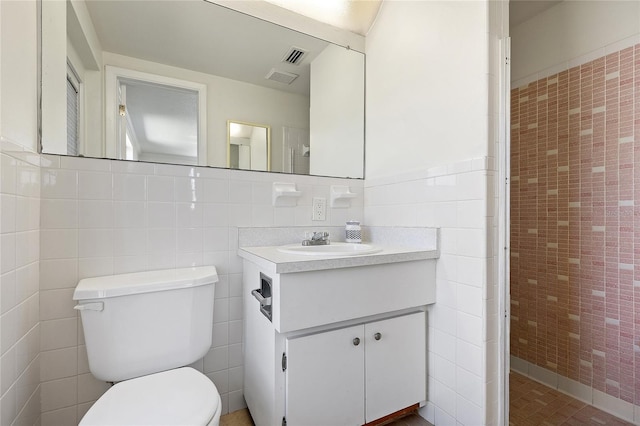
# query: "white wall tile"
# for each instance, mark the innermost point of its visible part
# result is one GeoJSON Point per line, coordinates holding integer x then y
{"type": "Point", "coordinates": [8, 173]}
{"type": "Point", "coordinates": [161, 215]}
{"type": "Point", "coordinates": [443, 318]}
{"type": "Point", "coordinates": [220, 334]}
{"type": "Point", "coordinates": [443, 370]}
{"type": "Point", "coordinates": [236, 401]}
{"type": "Point", "coordinates": [59, 184]}
{"type": "Point", "coordinates": [95, 213]}
{"type": "Point", "coordinates": [129, 187]}
{"type": "Point", "coordinates": [188, 189]}
{"type": "Point", "coordinates": [469, 357]}
{"type": "Point", "coordinates": [90, 388]}
{"type": "Point", "coordinates": [469, 328]}
{"type": "Point", "coordinates": [236, 376]}
{"type": "Point", "coordinates": [215, 215]}
{"type": "Point", "coordinates": [58, 213]}
{"type": "Point", "coordinates": [161, 240]}
{"type": "Point", "coordinates": [58, 334]}
{"type": "Point", "coordinates": [58, 244]}
{"type": "Point", "coordinates": [8, 248]}
{"type": "Point", "coordinates": [63, 416]}
{"type": "Point", "coordinates": [89, 267]}
{"type": "Point", "coordinates": [130, 214]}
{"type": "Point", "coordinates": [216, 191]}
{"type": "Point", "coordinates": [443, 396]}
{"type": "Point", "coordinates": [129, 242]}
{"type": "Point", "coordinates": [469, 386]}
{"type": "Point", "coordinates": [470, 300]}
{"type": "Point", "coordinates": [77, 163]}
{"type": "Point", "coordinates": [93, 185]}
{"type": "Point", "coordinates": [8, 369]}
{"type": "Point", "coordinates": [468, 413]}
{"type": "Point", "coordinates": [95, 243]}
{"type": "Point", "coordinates": [57, 304]}
{"type": "Point", "coordinates": [215, 239]}
{"type": "Point", "coordinates": [58, 364]}
{"type": "Point", "coordinates": [7, 213]}
{"type": "Point", "coordinates": [235, 331]}
{"type": "Point", "coordinates": [216, 359]}
{"type": "Point", "coordinates": [471, 270]}
{"type": "Point", "coordinates": [7, 291]}
{"type": "Point", "coordinates": [160, 188]}
{"type": "Point", "coordinates": [189, 215]}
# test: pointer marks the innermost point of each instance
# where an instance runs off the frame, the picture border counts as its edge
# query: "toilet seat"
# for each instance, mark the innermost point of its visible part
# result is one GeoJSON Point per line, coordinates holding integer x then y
{"type": "Point", "coordinates": [182, 396]}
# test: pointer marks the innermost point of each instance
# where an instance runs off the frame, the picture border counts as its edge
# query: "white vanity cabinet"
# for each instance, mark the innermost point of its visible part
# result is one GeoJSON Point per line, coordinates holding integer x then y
{"type": "Point", "coordinates": [311, 356]}
{"type": "Point", "coordinates": [353, 375]}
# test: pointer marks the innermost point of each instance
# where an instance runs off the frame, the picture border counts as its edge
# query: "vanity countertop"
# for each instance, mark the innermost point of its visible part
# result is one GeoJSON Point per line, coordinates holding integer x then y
{"type": "Point", "coordinates": [271, 259]}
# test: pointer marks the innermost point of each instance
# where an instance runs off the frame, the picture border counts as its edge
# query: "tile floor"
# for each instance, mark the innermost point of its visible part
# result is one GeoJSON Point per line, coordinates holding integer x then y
{"type": "Point", "coordinates": [242, 418]}
{"type": "Point", "coordinates": [532, 403]}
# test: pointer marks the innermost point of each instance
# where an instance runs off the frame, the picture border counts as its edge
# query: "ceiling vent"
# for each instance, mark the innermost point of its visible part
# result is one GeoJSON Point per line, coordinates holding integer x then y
{"type": "Point", "coordinates": [294, 56]}
{"type": "Point", "coordinates": [281, 76]}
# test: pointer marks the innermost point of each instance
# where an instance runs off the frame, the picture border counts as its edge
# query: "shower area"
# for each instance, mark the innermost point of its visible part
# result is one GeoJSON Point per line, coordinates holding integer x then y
{"type": "Point", "coordinates": [575, 202]}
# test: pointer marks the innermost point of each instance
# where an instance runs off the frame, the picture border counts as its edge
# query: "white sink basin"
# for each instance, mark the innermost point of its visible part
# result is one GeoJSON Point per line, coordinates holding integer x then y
{"type": "Point", "coordinates": [333, 249]}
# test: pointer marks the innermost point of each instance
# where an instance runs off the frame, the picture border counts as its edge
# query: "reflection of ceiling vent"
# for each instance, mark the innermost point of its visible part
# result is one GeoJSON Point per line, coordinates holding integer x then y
{"type": "Point", "coordinates": [294, 55]}
{"type": "Point", "coordinates": [281, 76]}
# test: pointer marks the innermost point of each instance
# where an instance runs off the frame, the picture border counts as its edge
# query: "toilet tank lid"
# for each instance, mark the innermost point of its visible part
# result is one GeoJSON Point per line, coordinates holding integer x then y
{"type": "Point", "coordinates": [144, 282]}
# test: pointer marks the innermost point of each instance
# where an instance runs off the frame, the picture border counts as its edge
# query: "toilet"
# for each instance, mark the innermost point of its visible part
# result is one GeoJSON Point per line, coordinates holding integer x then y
{"type": "Point", "coordinates": [142, 330]}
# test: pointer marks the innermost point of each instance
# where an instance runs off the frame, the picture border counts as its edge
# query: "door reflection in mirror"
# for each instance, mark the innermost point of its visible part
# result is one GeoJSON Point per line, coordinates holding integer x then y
{"type": "Point", "coordinates": [154, 118]}
{"type": "Point", "coordinates": [248, 146]}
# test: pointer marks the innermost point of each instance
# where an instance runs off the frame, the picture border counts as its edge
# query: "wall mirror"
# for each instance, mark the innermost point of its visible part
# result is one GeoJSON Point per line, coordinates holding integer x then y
{"type": "Point", "coordinates": [248, 146]}
{"type": "Point", "coordinates": [309, 93]}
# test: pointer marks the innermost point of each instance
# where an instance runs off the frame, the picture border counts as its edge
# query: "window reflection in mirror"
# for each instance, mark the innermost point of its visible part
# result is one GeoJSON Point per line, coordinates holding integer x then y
{"type": "Point", "coordinates": [248, 146]}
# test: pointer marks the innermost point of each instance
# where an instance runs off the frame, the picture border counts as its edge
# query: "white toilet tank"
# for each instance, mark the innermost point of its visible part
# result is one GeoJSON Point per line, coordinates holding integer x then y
{"type": "Point", "coordinates": [145, 322]}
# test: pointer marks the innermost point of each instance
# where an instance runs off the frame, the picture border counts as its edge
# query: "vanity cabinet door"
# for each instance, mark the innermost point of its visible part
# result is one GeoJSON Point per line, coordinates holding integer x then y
{"type": "Point", "coordinates": [395, 360]}
{"type": "Point", "coordinates": [325, 378]}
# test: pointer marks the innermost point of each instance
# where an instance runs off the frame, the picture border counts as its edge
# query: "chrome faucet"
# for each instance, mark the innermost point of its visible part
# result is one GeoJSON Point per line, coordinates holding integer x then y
{"type": "Point", "coordinates": [317, 239]}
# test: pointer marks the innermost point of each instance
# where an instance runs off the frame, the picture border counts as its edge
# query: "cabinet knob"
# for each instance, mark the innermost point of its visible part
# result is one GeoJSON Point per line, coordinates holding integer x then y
{"type": "Point", "coordinates": [356, 341]}
{"type": "Point", "coordinates": [377, 336]}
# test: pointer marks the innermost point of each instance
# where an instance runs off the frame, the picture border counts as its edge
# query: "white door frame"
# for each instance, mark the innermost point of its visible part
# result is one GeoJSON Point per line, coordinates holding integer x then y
{"type": "Point", "coordinates": [504, 230]}
{"type": "Point", "coordinates": [112, 116]}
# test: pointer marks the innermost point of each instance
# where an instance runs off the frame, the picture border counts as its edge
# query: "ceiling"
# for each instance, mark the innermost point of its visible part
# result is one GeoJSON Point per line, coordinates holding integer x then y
{"type": "Point", "coordinates": [356, 16]}
{"type": "Point", "coordinates": [203, 37]}
{"type": "Point", "coordinates": [523, 10]}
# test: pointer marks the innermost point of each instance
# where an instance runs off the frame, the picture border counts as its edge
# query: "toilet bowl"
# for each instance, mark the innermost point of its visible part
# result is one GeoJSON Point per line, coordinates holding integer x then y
{"type": "Point", "coordinates": [182, 396]}
{"type": "Point", "coordinates": [141, 329]}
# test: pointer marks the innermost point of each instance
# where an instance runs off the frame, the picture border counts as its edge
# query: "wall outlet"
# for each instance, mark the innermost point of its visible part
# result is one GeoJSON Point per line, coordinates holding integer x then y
{"type": "Point", "coordinates": [319, 208]}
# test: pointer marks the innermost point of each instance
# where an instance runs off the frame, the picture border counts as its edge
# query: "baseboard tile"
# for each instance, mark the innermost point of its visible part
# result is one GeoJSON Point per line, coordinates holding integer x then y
{"type": "Point", "coordinates": [613, 405]}
{"type": "Point", "coordinates": [622, 409]}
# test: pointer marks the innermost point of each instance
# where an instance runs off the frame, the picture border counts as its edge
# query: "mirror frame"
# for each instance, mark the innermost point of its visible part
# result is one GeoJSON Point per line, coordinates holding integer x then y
{"type": "Point", "coordinates": [246, 123]}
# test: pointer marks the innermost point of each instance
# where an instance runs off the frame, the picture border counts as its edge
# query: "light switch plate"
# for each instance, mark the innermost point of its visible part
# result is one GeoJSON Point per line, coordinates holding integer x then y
{"type": "Point", "coordinates": [319, 208]}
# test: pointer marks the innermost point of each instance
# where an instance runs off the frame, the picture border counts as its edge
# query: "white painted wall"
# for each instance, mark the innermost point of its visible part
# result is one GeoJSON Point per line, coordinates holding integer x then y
{"type": "Point", "coordinates": [337, 114]}
{"type": "Point", "coordinates": [427, 66]}
{"type": "Point", "coordinates": [569, 31]}
{"type": "Point", "coordinates": [18, 72]}
{"type": "Point", "coordinates": [432, 142]}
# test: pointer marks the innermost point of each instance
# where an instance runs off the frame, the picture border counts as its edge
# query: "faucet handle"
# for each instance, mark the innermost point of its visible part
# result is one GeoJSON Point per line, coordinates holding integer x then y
{"type": "Point", "coordinates": [320, 235]}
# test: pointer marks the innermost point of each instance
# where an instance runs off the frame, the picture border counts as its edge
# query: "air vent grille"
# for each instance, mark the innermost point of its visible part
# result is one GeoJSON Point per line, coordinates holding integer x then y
{"type": "Point", "coordinates": [294, 56]}
{"type": "Point", "coordinates": [281, 76]}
